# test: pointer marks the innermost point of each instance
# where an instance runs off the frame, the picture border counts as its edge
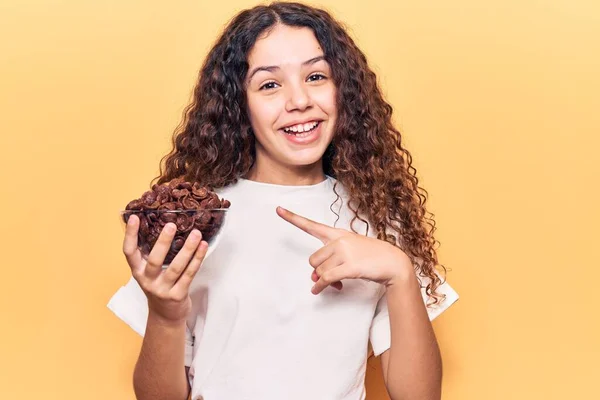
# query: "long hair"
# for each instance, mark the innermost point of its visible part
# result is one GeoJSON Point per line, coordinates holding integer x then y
{"type": "Point", "coordinates": [215, 144]}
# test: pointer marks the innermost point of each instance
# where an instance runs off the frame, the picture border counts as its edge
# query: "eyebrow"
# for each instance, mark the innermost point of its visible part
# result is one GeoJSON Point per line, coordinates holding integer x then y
{"type": "Point", "coordinates": [272, 68]}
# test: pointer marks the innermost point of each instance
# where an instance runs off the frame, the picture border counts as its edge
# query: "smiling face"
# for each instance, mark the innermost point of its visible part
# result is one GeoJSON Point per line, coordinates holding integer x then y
{"type": "Point", "coordinates": [291, 105]}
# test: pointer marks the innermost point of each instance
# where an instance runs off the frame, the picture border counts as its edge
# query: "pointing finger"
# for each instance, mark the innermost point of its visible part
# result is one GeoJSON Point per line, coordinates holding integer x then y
{"type": "Point", "coordinates": [322, 232]}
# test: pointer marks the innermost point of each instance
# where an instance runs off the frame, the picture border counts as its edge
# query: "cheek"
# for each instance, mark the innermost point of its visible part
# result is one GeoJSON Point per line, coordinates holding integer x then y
{"type": "Point", "coordinates": [263, 112]}
{"type": "Point", "coordinates": [327, 102]}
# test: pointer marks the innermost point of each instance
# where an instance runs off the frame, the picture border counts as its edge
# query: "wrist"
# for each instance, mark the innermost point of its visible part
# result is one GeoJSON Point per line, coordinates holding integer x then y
{"type": "Point", "coordinates": [158, 319]}
{"type": "Point", "coordinates": [404, 272]}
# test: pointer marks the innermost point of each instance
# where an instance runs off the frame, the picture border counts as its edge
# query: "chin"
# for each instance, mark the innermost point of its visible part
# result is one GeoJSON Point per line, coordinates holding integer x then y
{"type": "Point", "coordinates": [306, 159]}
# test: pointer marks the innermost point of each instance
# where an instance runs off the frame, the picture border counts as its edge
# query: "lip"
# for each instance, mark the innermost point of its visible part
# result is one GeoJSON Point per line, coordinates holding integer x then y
{"type": "Point", "coordinates": [313, 137]}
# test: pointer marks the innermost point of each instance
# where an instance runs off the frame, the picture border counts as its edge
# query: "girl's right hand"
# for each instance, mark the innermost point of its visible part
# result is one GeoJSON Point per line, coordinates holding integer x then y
{"type": "Point", "coordinates": [167, 291]}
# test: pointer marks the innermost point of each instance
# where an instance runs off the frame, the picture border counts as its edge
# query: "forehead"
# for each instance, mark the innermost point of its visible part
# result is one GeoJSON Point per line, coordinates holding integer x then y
{"type": "Point", "coordinates": [284, 45]}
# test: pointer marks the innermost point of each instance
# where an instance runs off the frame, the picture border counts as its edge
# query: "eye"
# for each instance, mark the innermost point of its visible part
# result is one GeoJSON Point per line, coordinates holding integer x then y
{"type": "Point", "coordinates": [267, 86]}
{"type": "Point", "coordinates": [316, 77]}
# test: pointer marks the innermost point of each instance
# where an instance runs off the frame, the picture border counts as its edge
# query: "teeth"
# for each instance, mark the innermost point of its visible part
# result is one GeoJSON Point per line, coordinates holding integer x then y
{"type": "Point", "coordinates": [302, 134]}
{"type": "Point", "coordinates": [301, 127]}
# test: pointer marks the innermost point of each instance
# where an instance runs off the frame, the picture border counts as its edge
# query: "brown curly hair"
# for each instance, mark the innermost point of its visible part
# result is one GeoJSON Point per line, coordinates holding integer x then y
{"type": "Point", "coordinates": [214, 144]}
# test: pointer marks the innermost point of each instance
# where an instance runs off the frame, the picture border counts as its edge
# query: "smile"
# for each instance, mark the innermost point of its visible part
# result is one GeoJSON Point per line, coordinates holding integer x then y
{"type": "Point", "coordinates": [301, 130]}
{"type": "Point", "coordinates": [303, 134]}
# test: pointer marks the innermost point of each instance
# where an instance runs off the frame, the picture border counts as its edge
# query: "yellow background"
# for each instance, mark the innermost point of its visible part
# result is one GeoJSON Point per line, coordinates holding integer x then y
{"type": "Point", "coordinates": [499, 104]}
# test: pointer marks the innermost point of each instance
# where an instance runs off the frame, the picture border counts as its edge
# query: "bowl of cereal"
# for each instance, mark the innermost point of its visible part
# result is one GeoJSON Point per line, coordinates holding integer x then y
{"type": "Point", "coordinates": [188, 205]}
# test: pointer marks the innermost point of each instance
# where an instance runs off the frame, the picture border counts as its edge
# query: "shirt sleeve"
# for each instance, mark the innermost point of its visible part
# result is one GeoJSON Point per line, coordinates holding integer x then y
{"type": "Point", "coordinates": [380, 332]}
{"type": "Point", "coordinates": [130, 305]}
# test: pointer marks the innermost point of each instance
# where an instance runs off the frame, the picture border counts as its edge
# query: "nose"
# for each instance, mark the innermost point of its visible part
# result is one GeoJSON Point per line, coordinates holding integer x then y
{"type": "Point", "coordinates": [298, 98]}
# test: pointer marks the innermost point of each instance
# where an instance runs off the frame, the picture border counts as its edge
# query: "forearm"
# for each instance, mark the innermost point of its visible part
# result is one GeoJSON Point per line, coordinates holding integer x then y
{"type": "Point", "coordinates": [415, 367]}
{"type": "Point", "coordinates": [160, 370]}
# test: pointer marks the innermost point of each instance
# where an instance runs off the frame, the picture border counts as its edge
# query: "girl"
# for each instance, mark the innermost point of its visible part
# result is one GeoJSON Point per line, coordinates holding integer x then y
{"type": "Point", "coordinates": [327, 246]}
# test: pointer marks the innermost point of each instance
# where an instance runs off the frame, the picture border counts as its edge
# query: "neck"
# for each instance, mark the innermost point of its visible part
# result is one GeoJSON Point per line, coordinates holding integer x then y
{"type": "Point", "coordinates": [289, 175]}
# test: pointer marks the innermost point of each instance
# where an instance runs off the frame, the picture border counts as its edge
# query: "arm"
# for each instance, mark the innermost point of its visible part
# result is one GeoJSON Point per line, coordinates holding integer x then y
{"type": "Point", "coordinates": [412, 367]}
{"type": "Point", "coordinates": [160, 373]}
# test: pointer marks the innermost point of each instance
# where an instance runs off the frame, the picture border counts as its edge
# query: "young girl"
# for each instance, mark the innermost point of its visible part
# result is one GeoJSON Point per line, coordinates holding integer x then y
{"type": "Point", "coordinates": [327, 245]}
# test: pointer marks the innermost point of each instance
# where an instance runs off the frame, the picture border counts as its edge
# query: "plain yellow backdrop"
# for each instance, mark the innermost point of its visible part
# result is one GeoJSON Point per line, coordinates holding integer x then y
{"type": "Point", "coordinates": [498, 102]}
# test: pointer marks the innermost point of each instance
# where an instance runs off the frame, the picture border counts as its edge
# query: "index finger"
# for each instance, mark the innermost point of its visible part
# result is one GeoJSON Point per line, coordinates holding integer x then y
{"type": "Point", "coordinates": [159, 251]}
{"type": "Point", "coordinates": [322, 232]}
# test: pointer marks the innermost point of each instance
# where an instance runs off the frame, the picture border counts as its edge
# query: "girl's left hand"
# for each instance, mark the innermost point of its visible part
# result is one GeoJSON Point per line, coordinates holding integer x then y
{"type": "Point", "coordinates": [348, 255]}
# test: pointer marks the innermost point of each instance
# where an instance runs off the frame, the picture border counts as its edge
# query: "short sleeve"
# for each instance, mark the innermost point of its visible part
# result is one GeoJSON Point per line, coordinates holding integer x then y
{"type": "Point", "coordinates": [130, 305]}
{"type": "Point", "coordinates": [380, 332]}
{"type": "Point", "coordinates": [189, 347]}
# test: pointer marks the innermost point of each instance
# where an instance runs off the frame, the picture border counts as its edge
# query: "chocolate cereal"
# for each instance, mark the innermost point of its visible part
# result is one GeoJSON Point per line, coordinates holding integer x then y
{"type": "Point", "coordinates": [187, 205]}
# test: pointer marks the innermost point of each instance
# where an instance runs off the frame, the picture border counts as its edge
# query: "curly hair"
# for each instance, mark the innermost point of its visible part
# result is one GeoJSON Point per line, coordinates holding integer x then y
{"type": "Point", "coordinates": [215, 144]}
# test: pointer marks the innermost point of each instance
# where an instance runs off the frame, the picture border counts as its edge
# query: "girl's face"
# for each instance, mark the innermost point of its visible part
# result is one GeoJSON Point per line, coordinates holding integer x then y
{"type": "Point", "coordinates": [291, 101]}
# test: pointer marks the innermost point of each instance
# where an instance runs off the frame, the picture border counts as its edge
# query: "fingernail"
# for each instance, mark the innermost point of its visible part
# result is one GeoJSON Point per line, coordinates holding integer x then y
{"type": "Point", "coordinates": [170, 227]}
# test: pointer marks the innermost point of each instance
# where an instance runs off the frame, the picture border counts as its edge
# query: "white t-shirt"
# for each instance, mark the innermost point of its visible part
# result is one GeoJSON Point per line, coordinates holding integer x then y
{"type": "Point", "coordinates": [256, 331]}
